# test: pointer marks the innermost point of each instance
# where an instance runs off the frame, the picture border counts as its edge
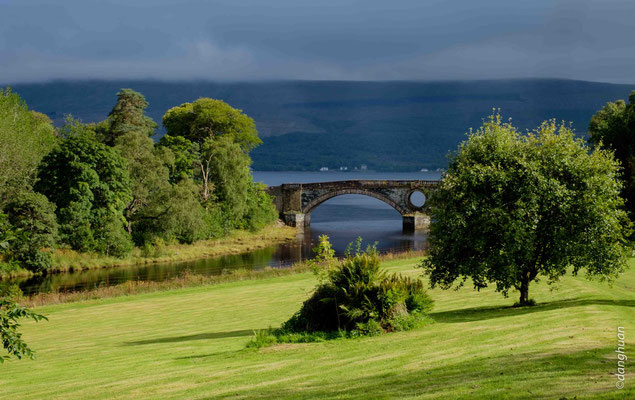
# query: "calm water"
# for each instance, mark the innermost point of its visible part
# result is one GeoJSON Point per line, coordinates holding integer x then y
{"type": "Point", "coordinates": [342, 218]}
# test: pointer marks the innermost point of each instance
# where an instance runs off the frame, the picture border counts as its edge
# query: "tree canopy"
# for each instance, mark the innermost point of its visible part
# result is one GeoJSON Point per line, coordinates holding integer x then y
{"type": "Point", "coordinates": [148, 170]}
{"type": "Point", "coordinates": [229, 171]}
{"type": "Point", "coordinates": [25, 137]}
{"type": "Point", "coordinates": [90, 185]}
{"type": "Point", "coordinates": [209, 118]}
{"type": "Point", "coordinates": [128, 115]}
{"type": "Point", "coordinates": [210, 142]}
{"type": "Point", "coordinates": [614, 127]}
{"type": "Point", "coordinates": [514, 207]}
{"type": "Point", "coordinates": [186, 156]}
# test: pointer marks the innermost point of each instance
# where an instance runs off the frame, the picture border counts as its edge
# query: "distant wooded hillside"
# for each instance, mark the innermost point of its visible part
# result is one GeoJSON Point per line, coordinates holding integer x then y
{"type": "Point", "coordinates": [309, 124]}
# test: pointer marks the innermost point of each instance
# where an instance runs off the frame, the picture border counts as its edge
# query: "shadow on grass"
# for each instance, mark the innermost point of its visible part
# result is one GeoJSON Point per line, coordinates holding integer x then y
{"type": "Point", "coordinates": [200, 336]}
{"type": "Point", "coordinates": [518, 376]}
{"type": "Point", "coordinates": [484, 313]}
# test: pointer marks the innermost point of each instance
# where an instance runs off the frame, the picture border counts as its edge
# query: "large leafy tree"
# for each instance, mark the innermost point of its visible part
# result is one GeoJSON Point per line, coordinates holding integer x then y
{"type": "Point", "coordinates": [216, 138]}
{"type": "Point", "coordinates": [514, 207]}
{"type": "Point", "coordinates": [157, 209]}
{"type": "Point", "coordinates": [90, 185]}
{"type": "Point", "coordinates": [209, 118]}
{"type": "Point", "coordinates": [614, 127]}
{"type": "Point", "coordinates": [128, 115]}
{"type": "Point", "coordinates": [211, 142]}
{"type": "Point", "coordinates": [25, 137]}
{"type": "Point", "coordinates": [32, 216]}
{"type": "Point", "coordinates": [128, 130]}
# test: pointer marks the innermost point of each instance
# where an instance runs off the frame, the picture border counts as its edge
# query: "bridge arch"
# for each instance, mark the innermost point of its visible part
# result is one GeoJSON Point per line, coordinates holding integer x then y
{"type": "Point", "coordinates": [308, 208]}
{"type": "Point", "coordinates": [295, 201]}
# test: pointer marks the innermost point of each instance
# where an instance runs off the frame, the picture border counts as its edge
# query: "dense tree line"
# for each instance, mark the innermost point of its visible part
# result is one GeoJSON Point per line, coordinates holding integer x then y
{"type": "Point", "coordinates": [107, 187]}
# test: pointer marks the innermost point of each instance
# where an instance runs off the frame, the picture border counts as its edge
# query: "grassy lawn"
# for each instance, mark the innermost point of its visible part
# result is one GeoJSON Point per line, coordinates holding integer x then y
{"type": "Point", "coordinates": [190, 343]}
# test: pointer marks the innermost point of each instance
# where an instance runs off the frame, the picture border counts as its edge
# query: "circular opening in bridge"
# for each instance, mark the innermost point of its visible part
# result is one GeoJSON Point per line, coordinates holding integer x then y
{"type": "Point", "coordinates": [417, 199]}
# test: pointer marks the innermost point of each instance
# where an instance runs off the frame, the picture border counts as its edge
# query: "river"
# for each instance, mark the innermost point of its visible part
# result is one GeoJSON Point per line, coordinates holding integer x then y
{"type": "Point", "coordinates": [342, 218]}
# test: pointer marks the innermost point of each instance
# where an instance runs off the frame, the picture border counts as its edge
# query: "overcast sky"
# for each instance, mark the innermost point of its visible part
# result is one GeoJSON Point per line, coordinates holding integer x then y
{"type": "Point", "coordinates": [317, 39]}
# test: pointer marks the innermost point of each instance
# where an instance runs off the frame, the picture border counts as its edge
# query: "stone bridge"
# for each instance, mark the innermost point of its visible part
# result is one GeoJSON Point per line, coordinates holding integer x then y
{"type": "Point", "coordinates": [295, 201]}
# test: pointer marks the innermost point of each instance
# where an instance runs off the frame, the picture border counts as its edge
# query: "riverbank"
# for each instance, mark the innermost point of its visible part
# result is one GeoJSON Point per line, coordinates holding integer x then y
{"type": "Point", "coordinates": [184, 280]}
{"type": "Point", "coordinates": [191, 343]}
{"type": "Point", "coordinates": [65, 260]}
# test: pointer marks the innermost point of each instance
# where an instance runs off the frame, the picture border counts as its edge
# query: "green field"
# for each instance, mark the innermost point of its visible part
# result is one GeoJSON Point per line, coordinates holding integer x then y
{"type": "Point", "coordinates": [190, 343]}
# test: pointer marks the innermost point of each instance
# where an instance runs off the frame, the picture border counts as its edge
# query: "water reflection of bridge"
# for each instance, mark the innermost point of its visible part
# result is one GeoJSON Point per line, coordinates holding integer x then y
{"type": "Point", "coordinates": [296, 201]}
{"type": "Point", "coordinates": [289, 254]}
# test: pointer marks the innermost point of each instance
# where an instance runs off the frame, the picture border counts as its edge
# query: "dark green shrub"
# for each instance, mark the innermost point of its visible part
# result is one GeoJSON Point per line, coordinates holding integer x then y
{"type": "Point", "coordinates": [318, 313]}
{"type": "Point", "coordinates": [358, 296]}
{"type": "Point", "coordinates": [353, 298]}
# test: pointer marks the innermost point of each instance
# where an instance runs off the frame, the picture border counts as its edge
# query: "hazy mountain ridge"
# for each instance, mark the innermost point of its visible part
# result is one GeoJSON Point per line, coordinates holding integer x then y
{"type": "Point", "coordinates": [385, 125]}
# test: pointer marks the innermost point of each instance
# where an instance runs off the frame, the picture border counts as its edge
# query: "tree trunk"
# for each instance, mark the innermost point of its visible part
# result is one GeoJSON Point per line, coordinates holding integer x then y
{"type": "Point", "coordinates": [205, 175]}
{"type": "Point", "coordinates": [205, 181]}
{"type": "Point", "coordinates": [524, 289]}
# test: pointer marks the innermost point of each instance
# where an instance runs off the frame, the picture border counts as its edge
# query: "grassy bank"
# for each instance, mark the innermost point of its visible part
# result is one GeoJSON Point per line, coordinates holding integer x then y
{"type": "Point", "coordinates": [190, 343]}
{"type": "Point", "coordinates": [237, 242]}
{"type": "Point", "coordinates": [185, 280]}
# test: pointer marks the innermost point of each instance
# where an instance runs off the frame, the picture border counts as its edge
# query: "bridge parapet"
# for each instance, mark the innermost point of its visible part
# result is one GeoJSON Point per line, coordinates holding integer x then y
{"type": "Point", "coordinates": [296, 201]}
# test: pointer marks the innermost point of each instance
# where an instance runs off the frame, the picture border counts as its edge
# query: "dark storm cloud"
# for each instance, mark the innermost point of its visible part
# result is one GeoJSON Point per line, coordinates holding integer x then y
{"type": "Point", "coordinates": [342, 39]}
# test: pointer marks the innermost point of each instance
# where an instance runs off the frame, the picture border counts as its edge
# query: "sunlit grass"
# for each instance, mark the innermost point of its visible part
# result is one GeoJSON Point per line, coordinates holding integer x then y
{"type": "Point", "coordinates": [191, 343]}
